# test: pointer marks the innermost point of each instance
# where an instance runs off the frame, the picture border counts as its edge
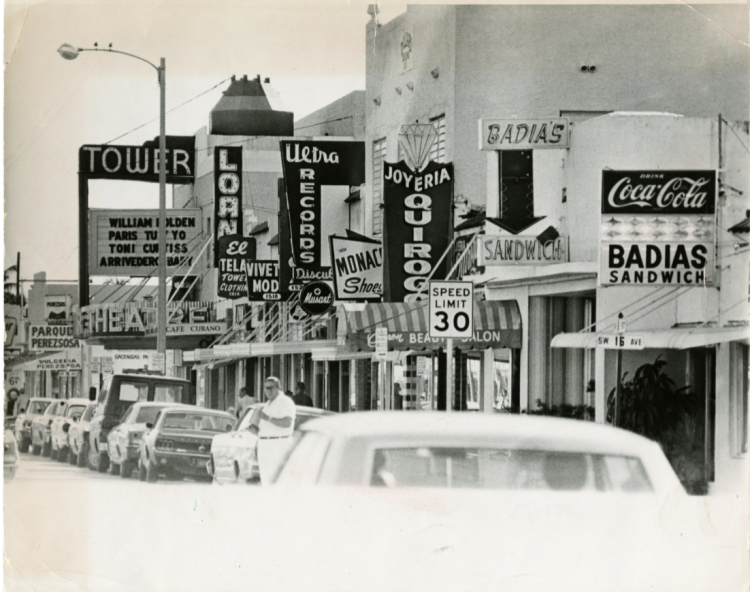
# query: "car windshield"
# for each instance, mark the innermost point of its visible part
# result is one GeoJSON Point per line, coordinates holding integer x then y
{"type": "Point", "coordinates": [247, 418]}
{"type": "Point", "coordinates": [75, 411]}
{"type": "Point", "coordinates": [38, 407]}
{"type": "Point", "coordinates": [197, 421]}
{"type": "Point", "coordinates": [88, 413]}
{"type": "Point", "coordinates": [487, 468]}
{"type": "Point", "coordinates": [148, 414]}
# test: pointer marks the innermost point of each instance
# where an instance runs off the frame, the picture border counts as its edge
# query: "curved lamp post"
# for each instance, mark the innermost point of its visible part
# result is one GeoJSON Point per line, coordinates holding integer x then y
{"type": "Point", "coordinates": [70, 52]}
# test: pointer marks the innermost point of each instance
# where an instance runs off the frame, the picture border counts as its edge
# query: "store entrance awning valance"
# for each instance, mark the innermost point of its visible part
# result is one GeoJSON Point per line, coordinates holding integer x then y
{"type": "Point", "coordinates": [680, 338]}
{"type": "Point", "coordinates": [496, 324]}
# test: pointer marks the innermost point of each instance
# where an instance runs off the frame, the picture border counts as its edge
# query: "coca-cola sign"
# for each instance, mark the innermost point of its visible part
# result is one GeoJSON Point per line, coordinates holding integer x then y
{"type": "Point", "coordinates": [658, 192]}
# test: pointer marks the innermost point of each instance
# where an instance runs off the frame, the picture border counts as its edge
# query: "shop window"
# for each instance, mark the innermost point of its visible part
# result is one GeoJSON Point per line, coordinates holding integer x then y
{"type": "Point", "coordinates": [516, 171]}
{"type": "Point", "coordinates": [378, 158]}
{"type": "Point", "coordinates": [738, 369]}
{"type": "Point", "coordinates": [437, 151]}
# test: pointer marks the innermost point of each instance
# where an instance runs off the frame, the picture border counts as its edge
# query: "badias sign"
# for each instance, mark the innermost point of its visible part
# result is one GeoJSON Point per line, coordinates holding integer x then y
{"type": "Point", "coordinates": [673, 264]}
{"type": "Point", "coordinates": [658, 192]}
{"type": "Point", "coordinates": [308, 166]}
{"type": "Point", "coordinates": [417, 228]}
{"type": "Point", "coordinates": [139, 163]}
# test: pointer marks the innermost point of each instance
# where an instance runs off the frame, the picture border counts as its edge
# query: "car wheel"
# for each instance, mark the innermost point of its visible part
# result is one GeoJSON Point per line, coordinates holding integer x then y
{"type": "Point", "coordinates": [126, 469]}
{"type": "Point", "coordinates": [36, 450]}
{"type": "Point", "coordinates": [102, 462]}
{"type": "Point", "coordinates": [62, 455]}
{"type": "Point", "coordinates": [114, 469]}
{"type": "Point", "coordinates": [23, 444]}
{"type": "Point", "coordinates": [152, 472]}
{"type": "Point", "coordinates": [46, 448]}
{"type": "Point", "coordinates": [170, 474]}
{"type": "Point", "coordinates": [141, 471]}
{"type": "Point", "coordinates": [236, 472]}
{"type": "Point", "coordinates": [72, 457]}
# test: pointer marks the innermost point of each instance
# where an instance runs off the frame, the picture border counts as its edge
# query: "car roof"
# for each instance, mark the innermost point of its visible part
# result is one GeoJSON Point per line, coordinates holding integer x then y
{"type": "Point", "coordinates": [155, 377]}
{"type": "Point", "coordinates": [77, 401]}
{"type": "Point", "coordinates": [141, 404]}
{"type": "Point", "coordinates": [551, 433]}
{"type": "Point", "coordinates": [195, 409]}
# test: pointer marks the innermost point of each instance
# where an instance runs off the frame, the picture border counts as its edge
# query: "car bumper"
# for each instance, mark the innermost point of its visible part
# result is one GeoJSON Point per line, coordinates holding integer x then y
{"type": "Point", "coordinates": [9, 471]}
{"type": "Point", "coordinates": [188, 464]}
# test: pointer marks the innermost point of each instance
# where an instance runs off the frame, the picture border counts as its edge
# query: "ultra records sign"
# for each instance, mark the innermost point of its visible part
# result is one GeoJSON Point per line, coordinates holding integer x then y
{"type": "Point", "coordinates": [316, 298]}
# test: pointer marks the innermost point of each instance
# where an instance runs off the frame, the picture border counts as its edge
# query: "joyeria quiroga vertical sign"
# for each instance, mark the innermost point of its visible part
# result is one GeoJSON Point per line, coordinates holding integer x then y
{"type": "Point", "coordinates": [658, 227]}
{"type": "Point", "coordinates": [417, 227]}
{"type": "Point", "coordinates": [227, 195]}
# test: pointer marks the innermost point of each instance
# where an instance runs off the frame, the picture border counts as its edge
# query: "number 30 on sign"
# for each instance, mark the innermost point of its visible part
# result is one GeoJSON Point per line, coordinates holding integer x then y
{"type": "Point", "coordinates": [451, 310]}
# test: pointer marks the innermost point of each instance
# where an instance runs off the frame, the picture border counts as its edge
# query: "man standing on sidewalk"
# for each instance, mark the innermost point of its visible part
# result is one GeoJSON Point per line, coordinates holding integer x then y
{"type": "Point", "coordinates": [275, 424]}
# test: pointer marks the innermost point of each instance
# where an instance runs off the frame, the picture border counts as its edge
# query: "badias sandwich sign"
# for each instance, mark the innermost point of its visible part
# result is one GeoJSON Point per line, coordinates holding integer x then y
{"type": "Point", "coordinates": [658, 227]}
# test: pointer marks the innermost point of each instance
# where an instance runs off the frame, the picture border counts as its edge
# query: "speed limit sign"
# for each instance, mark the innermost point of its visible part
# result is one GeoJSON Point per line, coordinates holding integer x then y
{"type": "Point", "coordinates": [451, 310]}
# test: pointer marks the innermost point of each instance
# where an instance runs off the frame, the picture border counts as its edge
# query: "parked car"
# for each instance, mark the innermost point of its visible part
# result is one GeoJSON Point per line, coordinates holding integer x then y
{"type": "Point", "coordinates": [233, 458]}
{"type": "Point", "coordinates": [78, 437]}
{"type": "Point", "coordinates": [117, 394]}
{"type": "Point", "coordinates": [73, 411]}
{"type": "Point", "coordinates": [123, 442]}
{"type": "Point", "coordinates": [22, 429]}
{"type": "Point", "coordinates": [178, 443]}
{"type": "Point", "coordinates": [41, 441]}
{"type": "Point", "coordinates": [10, 455]}
{"type": "Point", "coordinates": [468, 451]}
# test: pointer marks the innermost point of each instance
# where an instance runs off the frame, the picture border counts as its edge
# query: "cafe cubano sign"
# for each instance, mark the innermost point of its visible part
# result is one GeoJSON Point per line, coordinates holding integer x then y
{"type": "Point", "coordinates": [523, 134]}
{"type": "Point", "coordinates": [126, 242]}
{"type": "Point", "coordinates": [417, 209]}
{"type": "Point", "coordinates": [139, 163]}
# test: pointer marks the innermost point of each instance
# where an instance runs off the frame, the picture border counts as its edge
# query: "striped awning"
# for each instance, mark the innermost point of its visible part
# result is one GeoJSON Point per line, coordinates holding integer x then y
{"type": "Point", "coordinates": [496, 324]}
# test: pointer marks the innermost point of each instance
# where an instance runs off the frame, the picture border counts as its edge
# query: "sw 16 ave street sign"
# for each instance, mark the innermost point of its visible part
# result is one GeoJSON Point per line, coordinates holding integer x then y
{"type": "Point", "coordinates": [451, 310]}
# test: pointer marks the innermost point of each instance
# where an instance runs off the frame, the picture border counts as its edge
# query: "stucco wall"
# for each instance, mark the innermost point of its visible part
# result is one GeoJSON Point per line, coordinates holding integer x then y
{"type": "Point", "coordinates": [432, 29]}
{"type": "Point", "coordinates": [343, 117]}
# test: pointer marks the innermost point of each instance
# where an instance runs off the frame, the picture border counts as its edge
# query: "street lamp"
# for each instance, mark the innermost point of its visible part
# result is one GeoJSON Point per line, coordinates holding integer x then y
{"type": "Point", "coordinates": [69, 52]}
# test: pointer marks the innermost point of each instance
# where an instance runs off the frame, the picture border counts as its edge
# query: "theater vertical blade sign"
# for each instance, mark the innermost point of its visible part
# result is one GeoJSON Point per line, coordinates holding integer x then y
{"type": "Point", "coordinates": [417, 213]}
{"type": "Point", "coordinates": [658, 227]}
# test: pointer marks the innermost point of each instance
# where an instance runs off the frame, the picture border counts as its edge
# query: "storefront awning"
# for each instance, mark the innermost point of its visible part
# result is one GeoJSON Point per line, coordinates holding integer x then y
{"type": "Point", "coordinates": [680, 338]}
{"type": "Point", "coordinates": [496, 324]}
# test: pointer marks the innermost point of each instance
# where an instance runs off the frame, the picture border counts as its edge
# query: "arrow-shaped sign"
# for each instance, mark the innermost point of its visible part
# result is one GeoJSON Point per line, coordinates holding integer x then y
{"type": "Point", "coordinates": [516, 191]}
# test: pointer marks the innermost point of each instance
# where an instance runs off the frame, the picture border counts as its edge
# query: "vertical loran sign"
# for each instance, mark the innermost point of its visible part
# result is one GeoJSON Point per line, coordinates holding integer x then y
{"type": "Point", "coordinates": [308, 165]}
{"type": "Point", "coordinates": [227, 195]}
{"type": "Point", "coordinates": [417, 229]}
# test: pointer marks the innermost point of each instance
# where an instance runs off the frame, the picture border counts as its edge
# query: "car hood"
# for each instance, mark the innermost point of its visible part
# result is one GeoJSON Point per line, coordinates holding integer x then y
{"type": "Point", "coordinates": [406, 540]}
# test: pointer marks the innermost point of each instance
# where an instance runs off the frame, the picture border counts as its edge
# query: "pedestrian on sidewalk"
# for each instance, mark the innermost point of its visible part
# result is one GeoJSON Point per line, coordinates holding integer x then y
{"type": "Point", "coordinates": [245, 400]}
{"type": "Point", "coordinates": [275, 424]}
{"type": "Point", "coordinates": [302, 398]}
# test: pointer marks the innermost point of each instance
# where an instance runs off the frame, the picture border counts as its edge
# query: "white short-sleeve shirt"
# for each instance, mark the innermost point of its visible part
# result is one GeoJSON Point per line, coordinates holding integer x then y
{"type": "Point", "coordinates": [281, 406]}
